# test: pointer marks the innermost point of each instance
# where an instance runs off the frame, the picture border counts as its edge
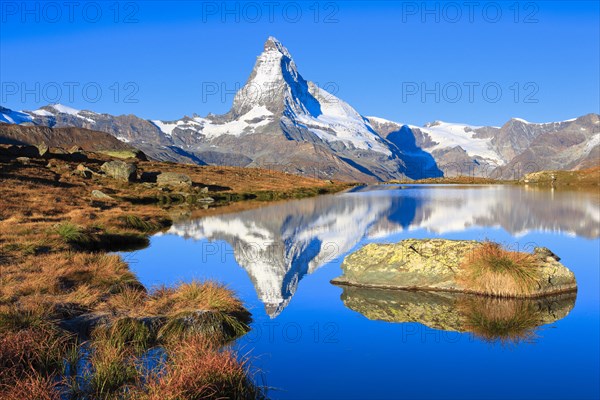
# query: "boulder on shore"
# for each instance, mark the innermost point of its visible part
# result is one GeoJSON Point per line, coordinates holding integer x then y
{"type": "Point", "coordinates": [173, 179]}
{"type": "Point", "coordinates": [443, 265]}
{"type": "Point", "coordinates": [120, 170]}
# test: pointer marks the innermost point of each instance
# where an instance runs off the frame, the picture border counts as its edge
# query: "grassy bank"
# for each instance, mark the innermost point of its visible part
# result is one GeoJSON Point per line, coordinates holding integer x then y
{"type": "Point", "coordinates": [584, 178]}
{"type": "Point", "coordinates": [75, 322]}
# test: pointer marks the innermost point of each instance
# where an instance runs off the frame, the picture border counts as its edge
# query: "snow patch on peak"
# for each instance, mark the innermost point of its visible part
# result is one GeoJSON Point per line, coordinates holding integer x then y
{"type": "Point", "coordinates": [65, 109]}
{"type": "Point", "coordinates": [247, 123]}
{"type": "Point", "coordinates": [452, 134]}
{"type": "Point", "coordinates": [338, 121]}
{"type": "Point", "coordinates": [542, 123]}
{"type": "Point", "coordinates": [42, 113]}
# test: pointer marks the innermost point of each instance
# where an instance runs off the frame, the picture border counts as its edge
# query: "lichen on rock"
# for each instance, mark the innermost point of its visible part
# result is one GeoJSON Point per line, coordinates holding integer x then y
{"type": "Point", "coordinates": [456, 265]}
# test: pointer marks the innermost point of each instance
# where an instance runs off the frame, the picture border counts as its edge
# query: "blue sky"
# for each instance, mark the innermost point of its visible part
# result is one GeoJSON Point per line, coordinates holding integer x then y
{"type": "Point", "coordinates": [411, 62]}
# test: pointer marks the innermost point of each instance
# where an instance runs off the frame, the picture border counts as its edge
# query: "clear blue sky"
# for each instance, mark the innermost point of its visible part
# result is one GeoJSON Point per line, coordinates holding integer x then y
{"type": "Point", "coordinates": [377, 56]}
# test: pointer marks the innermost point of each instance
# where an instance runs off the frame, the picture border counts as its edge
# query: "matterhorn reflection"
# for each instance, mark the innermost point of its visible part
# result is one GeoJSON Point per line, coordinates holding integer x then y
{"type": "Point", "coordinates": [279, 244]}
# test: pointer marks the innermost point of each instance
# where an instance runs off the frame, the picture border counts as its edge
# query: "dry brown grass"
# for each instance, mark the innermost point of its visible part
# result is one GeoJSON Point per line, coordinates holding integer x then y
{"type": "Point", "coordinates": [65, 277]}
{"type": "Point", "coordinates": [53, 266]}
{"type": "Point", "coordinates": [491, 270]}
{"type": "Point", "coordinates": [31, 387]}
{"type": "Point", "coordinates": [220, 375]}
{"type": "Point", "coordinates": [195, 295]}
{"type": "Point", "coordinates": [32, 353]}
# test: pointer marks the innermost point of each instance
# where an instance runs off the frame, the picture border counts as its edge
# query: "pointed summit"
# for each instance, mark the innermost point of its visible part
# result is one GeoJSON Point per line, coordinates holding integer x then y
{"type": "Point", "coordinates": [272, 44]}
{"type": "Point", "coordinates": [272, 82]}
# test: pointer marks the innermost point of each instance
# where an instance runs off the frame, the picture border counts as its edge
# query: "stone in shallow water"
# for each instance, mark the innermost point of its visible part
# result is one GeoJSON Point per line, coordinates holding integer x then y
{"type": "Point", "coordinates": [434, 264]}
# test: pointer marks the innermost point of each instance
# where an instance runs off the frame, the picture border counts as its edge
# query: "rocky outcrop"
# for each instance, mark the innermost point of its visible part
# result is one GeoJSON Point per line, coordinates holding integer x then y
{"type": "Point", "coordinates": [435, 264]}
{"type": "Point", "coordinates": [120, 170]}
{"type": "Point", "coordinates": [173, 179]}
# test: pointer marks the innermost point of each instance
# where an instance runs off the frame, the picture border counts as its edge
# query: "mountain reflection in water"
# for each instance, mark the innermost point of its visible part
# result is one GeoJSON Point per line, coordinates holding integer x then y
{"type": "Point", "coordinates": [279, 244]}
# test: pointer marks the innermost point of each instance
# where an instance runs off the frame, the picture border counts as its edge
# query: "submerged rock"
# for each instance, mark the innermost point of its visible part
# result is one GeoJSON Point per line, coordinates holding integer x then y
{"type": "Point", "coordinates": [439, 264]}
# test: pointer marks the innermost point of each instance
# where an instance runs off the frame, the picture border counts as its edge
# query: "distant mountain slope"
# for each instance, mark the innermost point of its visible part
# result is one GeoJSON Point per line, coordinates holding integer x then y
{"type": "Point", "coordinates": [509, 151]}
{"type": "Point", "coordinates": [60, 137]}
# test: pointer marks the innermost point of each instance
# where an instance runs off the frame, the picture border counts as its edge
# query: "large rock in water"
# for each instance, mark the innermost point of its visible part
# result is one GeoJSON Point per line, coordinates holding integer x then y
{"type": "Point", "coordinates": [435, 264]}
{"type": "Point", "coordinates": [120, 170]}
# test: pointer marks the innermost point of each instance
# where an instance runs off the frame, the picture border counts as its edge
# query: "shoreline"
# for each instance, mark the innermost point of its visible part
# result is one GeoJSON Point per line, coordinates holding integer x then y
{"type": "Point", "coordinates": [56, 233]}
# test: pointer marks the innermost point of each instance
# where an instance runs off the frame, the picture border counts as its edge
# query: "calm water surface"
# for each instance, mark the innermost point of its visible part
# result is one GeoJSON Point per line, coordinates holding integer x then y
{"type": "Point", "coordinates": [311, 340]}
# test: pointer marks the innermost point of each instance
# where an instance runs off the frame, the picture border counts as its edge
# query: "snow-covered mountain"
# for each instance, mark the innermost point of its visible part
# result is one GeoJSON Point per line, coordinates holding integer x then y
{"type": "Point", "coordinates": [508, 151]}
{"type": "Point", "coordinates": [280, 120]}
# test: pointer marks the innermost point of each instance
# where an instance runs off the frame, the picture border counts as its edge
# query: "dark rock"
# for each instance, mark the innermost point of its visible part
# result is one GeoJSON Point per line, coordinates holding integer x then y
{"type": "Point", "coordinates": [149, 176]}
{"type": "Point", "coordinates": [140, 155]}
{"type": "Point", "coordinates": [23, 151]}
{"type": "Point", "coordinates": [84, 171]}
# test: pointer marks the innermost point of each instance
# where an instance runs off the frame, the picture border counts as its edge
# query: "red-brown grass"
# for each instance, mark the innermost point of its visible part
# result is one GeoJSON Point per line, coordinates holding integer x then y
{"type": "Point", "coordinates": [198, 369]}
{"type": "Point", "coordinates": [31, 387]}
{"type": "Point", "coordinates": [195, 295]}
{"type": "Point", "coordinates": [491, 270]}
{"type": "Point", "coordinates": [28, 356]}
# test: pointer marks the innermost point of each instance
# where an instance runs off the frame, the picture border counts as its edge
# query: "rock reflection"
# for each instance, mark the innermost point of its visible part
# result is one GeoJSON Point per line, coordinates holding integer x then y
{"type": "Point", "coordinates": [497, 320]}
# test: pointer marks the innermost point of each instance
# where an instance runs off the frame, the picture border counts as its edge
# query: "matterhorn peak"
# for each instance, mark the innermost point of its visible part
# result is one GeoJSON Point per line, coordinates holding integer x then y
{"type": "Point", "coordinates": [272, 44]}
{"type": "Point", "coordinates": [272, 82]}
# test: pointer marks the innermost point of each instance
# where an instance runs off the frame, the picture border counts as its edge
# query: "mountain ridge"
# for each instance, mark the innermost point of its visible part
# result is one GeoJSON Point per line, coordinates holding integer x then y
{"type": "Point", "coordinates": [280, 120]}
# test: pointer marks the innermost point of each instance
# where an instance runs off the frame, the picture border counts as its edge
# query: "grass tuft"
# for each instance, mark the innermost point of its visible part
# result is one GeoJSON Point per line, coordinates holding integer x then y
{"type": "Point", "coordinates": [492, 270]}
{"type": "Point", "coordinates": [220, 375]}
{"type": "Point", "coordinates": [32, 387]}
{"type": "Point", "coordinates": [219, 325]}
{"type": "Point", "coordinates": [71, 233]}
{"type": "Point", "coordinates": [125, 333]}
